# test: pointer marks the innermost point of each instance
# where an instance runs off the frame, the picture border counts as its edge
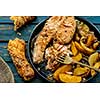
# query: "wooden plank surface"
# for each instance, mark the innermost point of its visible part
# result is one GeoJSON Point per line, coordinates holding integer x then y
{"type": "Point", "coordinates": [5, 19]}
{"type": "Point", "coordinates": [93, 19]}
{"type": "Point", "coordinates": [7, 32]}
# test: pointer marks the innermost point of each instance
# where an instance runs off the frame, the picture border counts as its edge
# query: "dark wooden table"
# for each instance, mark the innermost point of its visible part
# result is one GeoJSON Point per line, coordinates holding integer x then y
{"type": "Point", "coordinates": [7, 33]}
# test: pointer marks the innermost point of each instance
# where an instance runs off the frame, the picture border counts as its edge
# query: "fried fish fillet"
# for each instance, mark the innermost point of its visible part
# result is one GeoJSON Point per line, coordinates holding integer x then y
{"type": "Point", "coordinates": [59, 28]}
{"type": "Point", "coordinates": [19, 21]}
{"type": "Point", "coordinates": [16, 49]}
{"type": "Point", "coordinates": [53, 52]}
{"type": "Point", "coordinates": [66, 30]}
{"type": "Point", "coordinates": [44, 37]}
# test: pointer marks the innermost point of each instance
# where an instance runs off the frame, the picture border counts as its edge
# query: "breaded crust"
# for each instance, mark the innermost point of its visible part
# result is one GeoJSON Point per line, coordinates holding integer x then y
{"type": "Point", "coordinates": [16, 49]}
{"type": "Point", "coordinates": [19, 21]}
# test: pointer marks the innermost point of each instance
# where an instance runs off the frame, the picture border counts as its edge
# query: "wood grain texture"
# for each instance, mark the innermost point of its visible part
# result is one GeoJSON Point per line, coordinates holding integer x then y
{"type": "Point", "coordinates": [7, 32]}
{"type": "Point", "coordinates": [6, 20]}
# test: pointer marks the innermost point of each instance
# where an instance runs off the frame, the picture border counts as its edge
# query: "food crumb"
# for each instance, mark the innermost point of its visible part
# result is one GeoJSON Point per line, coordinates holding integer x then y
{"type": "Point", "coordinates": [5, 47]}
{"type": "Point", "coordinates": [50, 77]}
{"type": "Point", "coordinates": [38, 69]}
{"type": "Point", "coordinates": [19, 33]}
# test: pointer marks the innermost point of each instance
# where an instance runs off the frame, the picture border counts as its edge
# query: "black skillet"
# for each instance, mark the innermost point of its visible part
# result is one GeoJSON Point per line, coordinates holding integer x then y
{"type": "Point", "coordinates": [40, 68]}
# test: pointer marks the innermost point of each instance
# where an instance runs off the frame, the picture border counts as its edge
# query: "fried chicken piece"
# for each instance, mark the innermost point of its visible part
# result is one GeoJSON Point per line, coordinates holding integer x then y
{"type": "Point", "coordinates": [53, 52]}
{"type": "Point", "coordinates": [16, 49]}
{"type": "Point", "coordinates": [60, 28]}
{"type": "Point", "coordinates": [19, 21]}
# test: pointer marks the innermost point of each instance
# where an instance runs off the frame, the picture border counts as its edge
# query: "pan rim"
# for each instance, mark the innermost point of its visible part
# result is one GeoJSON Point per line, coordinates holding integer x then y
{"type": "Point", "coordinates": [31, 37]}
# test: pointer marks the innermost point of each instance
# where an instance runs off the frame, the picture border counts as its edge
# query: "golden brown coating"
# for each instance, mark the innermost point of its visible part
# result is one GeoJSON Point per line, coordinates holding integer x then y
{"type": "Point", "coordinates": [19, 21]}
{"type": "Point", "coordinates": [16, 49]}
{"type": "Point", "coordinates": [66, 29]}
{"type": "Point", "coordinates": [59, 28]}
